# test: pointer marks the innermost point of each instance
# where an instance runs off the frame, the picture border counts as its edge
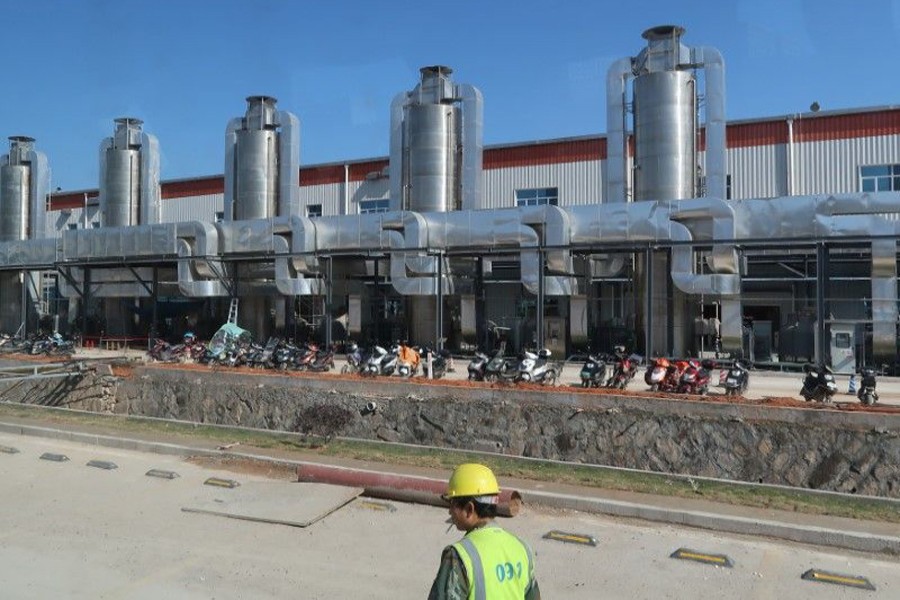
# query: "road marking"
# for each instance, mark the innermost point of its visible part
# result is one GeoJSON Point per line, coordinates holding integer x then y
{"type": "Point", "coordinates": [9, 450]}
{"type": "Point", "coordinates": [719, 560]}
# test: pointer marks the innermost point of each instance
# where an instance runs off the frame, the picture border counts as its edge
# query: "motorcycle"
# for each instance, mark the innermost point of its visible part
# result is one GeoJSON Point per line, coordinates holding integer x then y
{"type": "Point", "coordinates": [536, 368]}
{"type": "Point", "coordinates": [737, 379]}
{"type": "Point", "coordinates": [624, 369]}
{"type": "Point", "coordinates": [593, 372]}
{"type": "Point", "coordinates": [819, 384]}
{"type": "Point", "coordinates": [866, 393]}
{"type": "Point", "coordinates": [695, 378]}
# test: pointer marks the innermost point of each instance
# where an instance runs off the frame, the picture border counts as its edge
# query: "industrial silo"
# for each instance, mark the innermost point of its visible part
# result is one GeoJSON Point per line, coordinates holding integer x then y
{"type": "Point", "coordinates": [24, 182]}
{"type": "Point", "coordinates": [436, 145]}
{"type": "Point", "coordinates": [436, 166]}
{"type": "Point", "coordinates": [665, 100]}
{"type": "Point", "coordinates": [129, 176]}
{"type": "Point", "coordinates": [262, 170]}
{"type": "Point", "coordinates": [262, 162]}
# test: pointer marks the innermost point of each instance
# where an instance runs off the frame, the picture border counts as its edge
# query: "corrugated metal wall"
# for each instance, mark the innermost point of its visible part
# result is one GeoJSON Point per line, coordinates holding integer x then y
{"type": "Point", "coordinates": [192, 208]}
{"type": "Point", "coordinates": [832, 167]}
{"type": "Point", "coordinates": [757, 171]}
{"type": "Point", "coordinates": [578, 183]}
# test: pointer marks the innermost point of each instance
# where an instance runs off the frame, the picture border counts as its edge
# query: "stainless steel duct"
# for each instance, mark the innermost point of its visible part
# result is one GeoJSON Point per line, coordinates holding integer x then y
{"type": "Point", "coordinates": [262, 163]}
{"type": "Point", "coordinates": [436, 145]}
{"type": "Point", "coordinates": [129, 176]}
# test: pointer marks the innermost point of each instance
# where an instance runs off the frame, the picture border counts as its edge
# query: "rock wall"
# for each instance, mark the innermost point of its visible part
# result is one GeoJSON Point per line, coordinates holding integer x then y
{"type": "Point", "coordinates": [822, 449]}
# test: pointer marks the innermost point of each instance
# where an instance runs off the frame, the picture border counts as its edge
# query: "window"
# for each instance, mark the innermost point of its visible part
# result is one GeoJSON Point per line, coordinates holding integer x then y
{"type": "Point", "coordinates": [314, 210]}
{"type": "Point", "coordinates": [220, 216]}
{"type": "Point", "coordinates": [378, 205]}
{"type": "Point", "coordinates": [728, 187]}
{"type": "Point", "coordinates": [73, 226]}
{"type": "Point", "coordinates": [880, 178]}
{"type": "Point", "coordinates": [95, 224]}
{"type": "Point", "coordinates": [537, 196]}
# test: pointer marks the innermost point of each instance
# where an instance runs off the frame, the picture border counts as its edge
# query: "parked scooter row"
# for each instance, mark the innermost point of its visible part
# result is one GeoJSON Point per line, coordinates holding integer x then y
{"type": "Point", "coordinates": [528, 367]}
{"type": "Point", "coordinates": [401, 359]}
{"type": "Point", "coordinates": [683, 376]}
{"type": "Point", "coordinates": [612, 371]}
{"type": "Point", "coordinates": [51, 344]}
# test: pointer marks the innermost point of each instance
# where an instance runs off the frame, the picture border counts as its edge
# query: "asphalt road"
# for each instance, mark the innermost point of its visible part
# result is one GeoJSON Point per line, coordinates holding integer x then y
{"type": "Point", "coordinates": [72, 531]}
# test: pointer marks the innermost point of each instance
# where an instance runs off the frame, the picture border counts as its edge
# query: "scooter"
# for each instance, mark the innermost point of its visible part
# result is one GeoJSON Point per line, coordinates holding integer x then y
{"type": "Point", "coordinates": [407, 361]}
{"type": "Point", "coordinates": [866, 393]}
{"type": "Point", "coordinates": [624, 369]}
{"type": "Point", "coordinates": [593, 372]}
{"type": "Point", "coordinates": [477, 366]}
{"type": "Point", "coordinates": [354, 359]}
{"type": "Point", "coordinates": [737, 379]}
{"type": "Point", "coordinates": [440, 361]}
{"type": "Point", "coordinates": [695, 378]}
{"type": "Point", "coordinates": [819, 384]}
{"type": "Point", "coordinates": [656, 373]}
{"type": "Point", "coordinates": [381, 362]}
{"type": "Point", "coordinates": [536, 368]}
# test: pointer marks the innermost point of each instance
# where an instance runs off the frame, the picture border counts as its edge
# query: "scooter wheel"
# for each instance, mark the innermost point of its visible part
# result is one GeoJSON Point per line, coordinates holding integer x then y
{"type": "Point", "coordinates": [703, 390]}
{"type": "Point", "coordinates": [654, 387]}
{"type": "Point", "coordinates": [586, 383]}
{"type": "Point", "coordinates": [867, 399]}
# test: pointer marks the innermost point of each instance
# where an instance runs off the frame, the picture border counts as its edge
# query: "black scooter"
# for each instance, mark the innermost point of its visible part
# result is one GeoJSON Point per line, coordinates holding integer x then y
{"type": "Point", "coordinates": [737, 379]}
{"type": "Point", "coordinates": [819, 384]}
{"type": "Point", "coordinates": [866, 393]}
{"type": "Point", "coordinates": [593, 372]}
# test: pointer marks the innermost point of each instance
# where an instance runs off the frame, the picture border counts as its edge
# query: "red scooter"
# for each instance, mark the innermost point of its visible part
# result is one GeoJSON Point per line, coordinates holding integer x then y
{"type": "Point", "coordinates": [695, 377]}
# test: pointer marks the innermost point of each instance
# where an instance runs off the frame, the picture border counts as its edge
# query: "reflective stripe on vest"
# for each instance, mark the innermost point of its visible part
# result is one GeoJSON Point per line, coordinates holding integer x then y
{"type": "Point", "coordinates": [498, 564]}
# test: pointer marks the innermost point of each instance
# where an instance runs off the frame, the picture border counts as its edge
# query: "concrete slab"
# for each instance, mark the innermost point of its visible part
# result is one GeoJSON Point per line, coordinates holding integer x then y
{"type": "Point", "coordinates": [277, 502]}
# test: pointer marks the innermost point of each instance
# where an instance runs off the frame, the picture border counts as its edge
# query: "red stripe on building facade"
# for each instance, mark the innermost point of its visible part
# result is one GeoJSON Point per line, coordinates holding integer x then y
{"type": "Point", "coordinates": [738, 135]}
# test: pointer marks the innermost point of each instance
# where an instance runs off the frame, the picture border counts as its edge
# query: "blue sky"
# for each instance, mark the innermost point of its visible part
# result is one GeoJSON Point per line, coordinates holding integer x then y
{"type": "Point", "coordinates": [185, 66]}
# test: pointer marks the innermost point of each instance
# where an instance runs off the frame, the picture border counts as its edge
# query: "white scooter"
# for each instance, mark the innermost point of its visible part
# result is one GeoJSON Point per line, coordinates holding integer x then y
{"type": "Point", "coordinates": [536, 368]}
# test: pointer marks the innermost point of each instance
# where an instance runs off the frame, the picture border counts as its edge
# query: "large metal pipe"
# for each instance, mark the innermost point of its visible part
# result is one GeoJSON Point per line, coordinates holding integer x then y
{"type": "Point", "coordinates": [392, 486]}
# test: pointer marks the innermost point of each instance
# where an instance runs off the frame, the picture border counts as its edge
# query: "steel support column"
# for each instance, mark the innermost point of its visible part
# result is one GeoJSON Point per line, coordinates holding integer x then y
{"type": "Point", "coordinates": [821, 303]}
{"type": "Point", "coordinates": [539, 304]}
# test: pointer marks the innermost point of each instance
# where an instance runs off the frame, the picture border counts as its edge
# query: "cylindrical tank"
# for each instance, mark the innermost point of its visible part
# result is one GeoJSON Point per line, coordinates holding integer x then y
{"type": "Point", "coordinates": [434, 160]}
{"type": "Point", "coordinates": [256, 155]}
{"type": "Point", "coordinates": [15, 194]}
{"type": "Point", "coordinates": [433, 151]}
{"type": "Point", "coordinates": [256, 162]}
{"type": "Point", "coordinates": [665, 136]}
{"type": "Point", "coordinates": [14, 202]}
{"type": "Point", "coordinates": [122, 182]}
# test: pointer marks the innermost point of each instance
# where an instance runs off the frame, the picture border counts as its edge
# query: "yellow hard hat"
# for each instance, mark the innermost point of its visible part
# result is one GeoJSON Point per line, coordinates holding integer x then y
{"type": "Point", "coordinates": [472, 479]}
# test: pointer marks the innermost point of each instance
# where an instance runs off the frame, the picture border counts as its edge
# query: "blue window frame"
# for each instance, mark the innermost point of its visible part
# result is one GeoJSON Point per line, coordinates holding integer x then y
{"type": "Point", "coordinates": [879, 178]}
{"type": "Point", "coordinates": [537, 196]}
{"type": "Point", "coordinates": [376, 205]}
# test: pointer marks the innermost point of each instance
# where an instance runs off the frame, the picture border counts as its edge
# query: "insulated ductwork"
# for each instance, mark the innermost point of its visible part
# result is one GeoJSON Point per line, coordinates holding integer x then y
{"type": "Point", "coordinates": [24, 184]}
{"type": "Point", "coordinates": [262, 163]}
{"type": "Point", "coordinates": [200, 272]}
{"type": "Point", "coordinates": [665, 128]}
{"type": "Point", "coordinates": [129, 176]}
{"type": "Point", "coordinates": [834, 217]}
{"type": "Point", "coordinates": [436, 145]}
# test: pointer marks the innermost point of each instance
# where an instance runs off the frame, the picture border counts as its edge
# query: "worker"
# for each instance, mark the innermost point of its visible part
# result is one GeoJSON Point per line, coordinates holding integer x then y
{"type": "Point", "coordinates": [487, 562]}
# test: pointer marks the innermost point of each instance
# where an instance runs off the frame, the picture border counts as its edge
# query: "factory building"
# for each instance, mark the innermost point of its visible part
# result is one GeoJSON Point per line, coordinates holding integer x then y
{"type": "Point", "coordinates": [678, 232]}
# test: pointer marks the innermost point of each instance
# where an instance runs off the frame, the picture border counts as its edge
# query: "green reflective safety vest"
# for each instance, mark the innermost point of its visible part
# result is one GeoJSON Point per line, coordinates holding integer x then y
{"type": "Point", "coordinates": [498, 564]}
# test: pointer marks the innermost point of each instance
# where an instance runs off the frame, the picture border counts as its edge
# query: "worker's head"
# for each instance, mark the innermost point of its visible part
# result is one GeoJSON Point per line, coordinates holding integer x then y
{"type": "Point", "coordinates": [473, 495]}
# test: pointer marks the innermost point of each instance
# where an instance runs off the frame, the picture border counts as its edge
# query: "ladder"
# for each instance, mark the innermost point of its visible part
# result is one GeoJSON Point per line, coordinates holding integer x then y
{"type": "Point", "coordinates": [233, 311]}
